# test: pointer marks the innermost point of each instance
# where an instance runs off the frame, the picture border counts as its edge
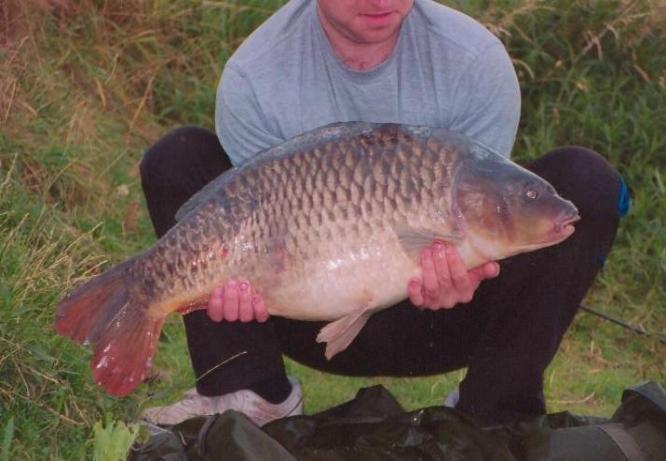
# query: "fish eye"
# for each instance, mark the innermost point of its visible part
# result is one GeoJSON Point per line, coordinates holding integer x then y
{"type": "Point", "coordinates": [532, 194]}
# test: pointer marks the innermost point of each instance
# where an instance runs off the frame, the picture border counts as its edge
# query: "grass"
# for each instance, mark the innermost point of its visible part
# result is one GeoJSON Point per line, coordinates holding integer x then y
{"type": "Point", "coordinates": [112, 441]}
{"type": "Point", "coordinates": [86, 86]}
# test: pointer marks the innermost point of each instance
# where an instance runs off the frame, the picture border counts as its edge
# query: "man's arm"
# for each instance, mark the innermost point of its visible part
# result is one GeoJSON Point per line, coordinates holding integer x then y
{"type": "Point", "coordinates": [487, 104]}
{"type": "Point", "coordinates": [488, 110]}
{"type": "Point", "coordinates": [240, 122]}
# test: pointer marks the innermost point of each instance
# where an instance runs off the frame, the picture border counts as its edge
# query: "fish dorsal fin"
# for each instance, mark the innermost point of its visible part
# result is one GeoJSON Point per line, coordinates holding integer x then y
{"type": "Point", "coordinates": [298, 144]}
{"type": "Point", "coordinates": [207, 192]}
{"type": "Point", "coordinates": [413, 239]}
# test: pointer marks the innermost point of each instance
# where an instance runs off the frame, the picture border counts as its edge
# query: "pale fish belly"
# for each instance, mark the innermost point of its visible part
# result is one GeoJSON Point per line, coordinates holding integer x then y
{"type": "Point", "coordinates": [367, 275]}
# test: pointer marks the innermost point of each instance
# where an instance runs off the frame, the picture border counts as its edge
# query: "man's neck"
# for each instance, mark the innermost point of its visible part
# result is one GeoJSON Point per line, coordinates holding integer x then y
{"type": "Point", "coordinates": [358, 56]}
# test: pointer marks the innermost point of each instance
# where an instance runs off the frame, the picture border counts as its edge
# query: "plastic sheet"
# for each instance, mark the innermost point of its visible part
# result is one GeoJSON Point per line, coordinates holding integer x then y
{"type": "Point", "coordinates": [373, 426]}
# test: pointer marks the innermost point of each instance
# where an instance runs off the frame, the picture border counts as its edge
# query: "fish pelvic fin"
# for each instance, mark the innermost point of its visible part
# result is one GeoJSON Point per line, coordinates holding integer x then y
{"type": "Point", "coordinates": [112, 314]}
{"type": "Point", "coordinates": [338, 335]}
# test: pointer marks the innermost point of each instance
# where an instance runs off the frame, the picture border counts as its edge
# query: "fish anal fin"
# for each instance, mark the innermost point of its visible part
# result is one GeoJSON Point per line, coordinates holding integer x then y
{"type": "Point", "coordinates": [413, 239]}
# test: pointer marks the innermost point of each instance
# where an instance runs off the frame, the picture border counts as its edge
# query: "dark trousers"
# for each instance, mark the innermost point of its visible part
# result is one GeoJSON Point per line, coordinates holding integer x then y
{"type": "Point", "coordinates": [506, 336]}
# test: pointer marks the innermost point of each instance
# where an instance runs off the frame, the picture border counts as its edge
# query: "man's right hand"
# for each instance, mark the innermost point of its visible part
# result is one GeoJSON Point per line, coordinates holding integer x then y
{"type": "Point", "coordinates": [235, 301]}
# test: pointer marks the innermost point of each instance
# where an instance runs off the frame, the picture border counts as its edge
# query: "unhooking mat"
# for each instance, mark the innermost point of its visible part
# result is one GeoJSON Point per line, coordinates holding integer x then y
{"type": "Point", "coordinates": [373, 426]}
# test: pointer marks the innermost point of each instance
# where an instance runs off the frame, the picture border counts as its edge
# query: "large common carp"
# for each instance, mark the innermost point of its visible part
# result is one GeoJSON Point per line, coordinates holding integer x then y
{"type": "Point", "coordinates": [327, 226]}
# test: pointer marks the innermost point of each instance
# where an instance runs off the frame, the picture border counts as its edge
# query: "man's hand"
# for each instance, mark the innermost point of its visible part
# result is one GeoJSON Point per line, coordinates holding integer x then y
{"type": "Point", "coordinates": [237, 300]}
{"type": "Point", "coordinates": [445, 281]}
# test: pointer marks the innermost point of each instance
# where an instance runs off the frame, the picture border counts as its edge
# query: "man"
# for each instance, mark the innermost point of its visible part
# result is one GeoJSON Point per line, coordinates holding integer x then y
{"type": "Point", "coordinates": [405, 61]}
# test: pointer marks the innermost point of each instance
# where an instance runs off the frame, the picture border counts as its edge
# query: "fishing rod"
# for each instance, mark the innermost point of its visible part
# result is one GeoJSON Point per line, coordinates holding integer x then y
{"type": "Point", "coordinates": [635, 328]}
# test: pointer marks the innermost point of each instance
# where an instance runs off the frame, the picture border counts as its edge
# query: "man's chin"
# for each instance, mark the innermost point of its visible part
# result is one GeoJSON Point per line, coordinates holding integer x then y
{"type": "Point", "coordinates": [374, 35]}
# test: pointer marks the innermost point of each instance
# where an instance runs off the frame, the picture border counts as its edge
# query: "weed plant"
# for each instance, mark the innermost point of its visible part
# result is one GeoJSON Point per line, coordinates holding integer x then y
{"type": "Point", "coordinates": [87, 86]}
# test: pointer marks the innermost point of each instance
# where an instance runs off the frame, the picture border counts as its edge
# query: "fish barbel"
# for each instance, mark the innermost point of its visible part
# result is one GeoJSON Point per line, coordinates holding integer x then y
{"type": "Point", "coordinates": [327, 226]}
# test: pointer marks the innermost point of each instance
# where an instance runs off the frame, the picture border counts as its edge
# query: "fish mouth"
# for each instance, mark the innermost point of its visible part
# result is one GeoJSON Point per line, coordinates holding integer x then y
{"type": "Point", "coordinates": [565, 226]}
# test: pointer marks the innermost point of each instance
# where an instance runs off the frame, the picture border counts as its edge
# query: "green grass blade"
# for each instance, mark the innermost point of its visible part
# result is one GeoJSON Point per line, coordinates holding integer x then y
{"type": "Point", "coordinates": [7, 437]}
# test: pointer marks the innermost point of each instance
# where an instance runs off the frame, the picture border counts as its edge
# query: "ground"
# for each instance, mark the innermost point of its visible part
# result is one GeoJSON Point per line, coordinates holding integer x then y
{"type": "Point", "coordinates": [86, 86]}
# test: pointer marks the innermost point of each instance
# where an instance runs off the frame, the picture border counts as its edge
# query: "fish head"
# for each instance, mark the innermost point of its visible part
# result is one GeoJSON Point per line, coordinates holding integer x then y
{"type": "Point", "coordinates": [505, 209]}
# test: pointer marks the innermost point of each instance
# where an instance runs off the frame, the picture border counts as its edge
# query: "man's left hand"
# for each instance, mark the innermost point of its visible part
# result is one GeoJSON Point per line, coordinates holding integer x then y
{"type": "Point", "coordinates": [445, 281]}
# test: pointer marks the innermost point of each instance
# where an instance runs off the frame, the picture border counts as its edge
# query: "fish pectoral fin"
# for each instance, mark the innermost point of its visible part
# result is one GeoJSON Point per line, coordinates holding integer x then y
{"type": "Point", "coordinates": [338, 335]}
{"type": "Point", "coordinates": [413, 239]}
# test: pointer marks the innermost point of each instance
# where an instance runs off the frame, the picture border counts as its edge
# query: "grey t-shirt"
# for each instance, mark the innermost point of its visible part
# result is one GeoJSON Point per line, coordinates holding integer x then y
{"type": "Point", "coordinates": [446, 70]}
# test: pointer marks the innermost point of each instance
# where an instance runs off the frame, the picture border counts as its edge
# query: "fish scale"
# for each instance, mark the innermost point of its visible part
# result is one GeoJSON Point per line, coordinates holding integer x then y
{"type": "Point", "coordinates": [370, 201]}
{"type": "Point", "coordinates": [327, 226]}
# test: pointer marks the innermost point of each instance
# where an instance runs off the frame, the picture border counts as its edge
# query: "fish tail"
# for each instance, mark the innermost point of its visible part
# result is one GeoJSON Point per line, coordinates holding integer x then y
{"type": "Point", "coordinates": [112, 313]}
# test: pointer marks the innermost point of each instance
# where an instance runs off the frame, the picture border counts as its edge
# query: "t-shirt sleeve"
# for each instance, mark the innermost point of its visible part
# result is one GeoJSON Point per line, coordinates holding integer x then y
{"type": "Point", "coordinates": [488, 100]}
{"type": "Point", "coordinates": [239, 120]}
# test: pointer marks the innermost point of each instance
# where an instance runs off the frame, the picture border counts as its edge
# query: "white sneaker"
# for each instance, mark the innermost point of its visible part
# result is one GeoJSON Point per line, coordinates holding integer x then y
{"type": "Point", "coordinates": [244, 401]}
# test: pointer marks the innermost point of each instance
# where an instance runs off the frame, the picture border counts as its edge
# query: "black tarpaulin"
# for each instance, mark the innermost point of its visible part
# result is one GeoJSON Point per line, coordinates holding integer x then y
{"type": "Point", "coordinates": [373, 426]}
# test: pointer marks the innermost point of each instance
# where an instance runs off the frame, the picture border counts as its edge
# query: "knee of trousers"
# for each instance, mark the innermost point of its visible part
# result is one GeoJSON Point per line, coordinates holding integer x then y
{"type": "Point", "coordinates": [161, 161]}
{"type": "Point", "coordinates": [589, 181]}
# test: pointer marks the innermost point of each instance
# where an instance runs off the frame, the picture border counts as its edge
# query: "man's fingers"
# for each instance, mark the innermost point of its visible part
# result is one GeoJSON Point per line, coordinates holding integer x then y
{"type": "Point", "coordinates": [457, 268]}
{"type": "Point", "coordinates": [415, 292]}
{"type": "Point", "coordinates": [237, 300]}
{"type": "Point", "coordinates": [260, 309]}
{"type": "Point", "coordinates": [231, 296]}
{"type": "Point", "coordinates": [441, 266]}
{"type": "Point", "coordinates": [445, 278]}
{"type": "Point", "coordinates": [245, 308]}
{"type": "Point", "coordinates": [428, 272]}
{"type": "Point", "coordinates": [491, 270]}
{"type": "Point", "coordinates": [215, 305]}
{"type": "Point", "coordinates": [488, 270]}
{"type": "Point", "coordinates": [464, 285]}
